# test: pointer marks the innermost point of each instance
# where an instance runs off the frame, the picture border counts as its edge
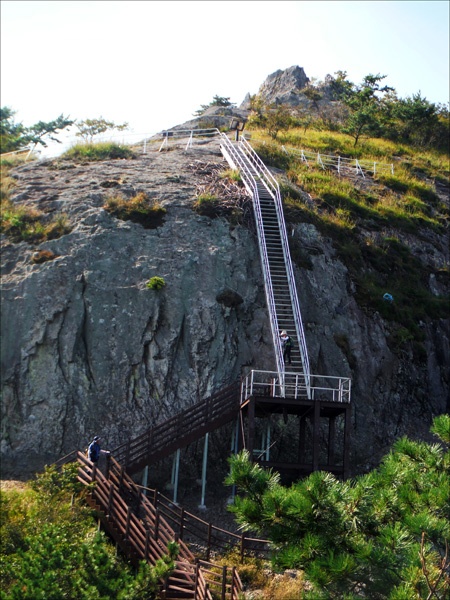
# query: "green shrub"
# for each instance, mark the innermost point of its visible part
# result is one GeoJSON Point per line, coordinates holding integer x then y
{"type": "Point", "coordinates": [138, 209]}
{"type": "Point", "coordinates": [155, 283]}
{"type": "Point", "coordinates": [98, 151]}
{"type": "Point", "coordinates": [382, 532]}
{"type": "Point", "coordinates": [27, 224]}
{"type": "Point", "coordinates": [207, 205]}
{"type": "Point", "coordinates": [50, 546]}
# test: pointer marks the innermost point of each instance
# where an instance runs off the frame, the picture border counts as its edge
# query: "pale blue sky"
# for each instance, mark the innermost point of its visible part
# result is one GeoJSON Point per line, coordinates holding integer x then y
{"type": "Point", "coordinates": [154, 63]}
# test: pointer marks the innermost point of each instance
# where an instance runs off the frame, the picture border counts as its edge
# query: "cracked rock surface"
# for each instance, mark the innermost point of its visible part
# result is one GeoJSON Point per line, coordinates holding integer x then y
{"type": "Point", "coordinates": [88, 348]}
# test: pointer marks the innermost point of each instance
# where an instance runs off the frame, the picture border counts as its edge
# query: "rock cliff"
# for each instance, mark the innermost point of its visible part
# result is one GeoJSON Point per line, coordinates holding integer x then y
{"type": "Point", "coordinates": [87, 347]}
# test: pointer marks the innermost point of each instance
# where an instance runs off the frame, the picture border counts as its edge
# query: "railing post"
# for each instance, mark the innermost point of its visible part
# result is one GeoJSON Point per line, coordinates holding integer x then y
{"type": "Point", "coordinates": [108, 465]}
{"type": "Point", "coordinates": [156, 524]}
{"type": "Point", "coordinates": [181, 523]}
{"type": "Point", "coordinates": [147, 543]}
{"type": "Point", "coordinates": [233, 582]}
{"type": "Point", "coordinates": [224, 583]}
{"type": "Point", "coordinates": [242, 548]}
{"type": "Point", "coordinates": [127, 453]}
{"type": "Point", "coordinates": [110, 499]}
{"type": "Point", "coordinates": [127, 526]}
{"type": "Point", "coordinates": [205, 462]}
{"type": "Point", "coordinates": [197, 570]}
{"type": "Point", "coordinates": [122, 471]}
{"type": "Point", "coordinates": [208, 543]}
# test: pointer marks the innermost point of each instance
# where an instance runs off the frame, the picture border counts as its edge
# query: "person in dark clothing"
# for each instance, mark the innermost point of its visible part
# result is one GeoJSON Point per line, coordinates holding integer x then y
{"type": "Point", "coordinates": [95, 450]}
{"type": "Point", "coordinates": [286, 345]}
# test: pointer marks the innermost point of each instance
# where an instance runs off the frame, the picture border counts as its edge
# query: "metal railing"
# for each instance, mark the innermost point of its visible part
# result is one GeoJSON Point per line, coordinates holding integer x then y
{"type": "Point", "coordinates": [190, 134]}
{"type": "Point", "coordinates": [329, 161]}
{"type": "Point", "coordinates": [243, 157]}
{"type": "Point", "coordinates": [274, 189]}
{"type": "Point", "coordinates": [239, 161]}
{"type": "Point", "coordinates": [322, 387]}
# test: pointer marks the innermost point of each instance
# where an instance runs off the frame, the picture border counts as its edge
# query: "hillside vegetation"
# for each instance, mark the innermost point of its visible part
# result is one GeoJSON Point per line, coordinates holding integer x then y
{"type": "Point", "coordinates": [383, 535]}
{"type": "Point", "coordinates": [389, 229]}
{"type": "Point", "coordinates": [51, 547]}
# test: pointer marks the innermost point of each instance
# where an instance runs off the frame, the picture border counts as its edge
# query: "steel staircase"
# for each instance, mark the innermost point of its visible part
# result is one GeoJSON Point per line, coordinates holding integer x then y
{"type": "Point", "coordinates": [279, 282]}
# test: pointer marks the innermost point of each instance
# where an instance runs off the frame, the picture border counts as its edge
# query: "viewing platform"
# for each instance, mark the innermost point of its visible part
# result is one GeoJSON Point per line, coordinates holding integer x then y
{"type": "Point", "coordinates": [315, 420]}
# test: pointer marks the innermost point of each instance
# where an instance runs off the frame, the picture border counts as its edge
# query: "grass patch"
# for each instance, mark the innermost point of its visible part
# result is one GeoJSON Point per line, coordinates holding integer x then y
{"type": "Point", "coordinates": [138, 209]}
{"type": "Point", "coordinates": [22, 223]}
{"type": "Point", "coordinates": [99, 151]}
{"type": "Point", "coordinates": [231, 174]}
{"type": "Point", "coordinates": [207, 205]}
{"type": "Point", "coordinates": [27, 224]}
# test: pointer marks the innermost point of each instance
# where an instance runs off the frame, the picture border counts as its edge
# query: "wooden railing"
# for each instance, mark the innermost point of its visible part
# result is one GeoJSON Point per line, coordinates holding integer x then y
{"type": "Point", "coordinates": [179, 431]}
{"type": "Point", "coordinates": [192, 529]}
{"type": "Point", "coordinates": [142, 532]}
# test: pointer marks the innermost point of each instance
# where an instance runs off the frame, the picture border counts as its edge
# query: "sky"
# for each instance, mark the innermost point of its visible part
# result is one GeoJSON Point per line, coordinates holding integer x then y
{"type": "Point", "coordinates": [152, 64]}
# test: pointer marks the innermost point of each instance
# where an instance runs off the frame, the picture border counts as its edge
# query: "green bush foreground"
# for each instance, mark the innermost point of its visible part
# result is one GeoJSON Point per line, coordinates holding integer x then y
{"type": "Point", "coordinates": [50, 547]}
{"type": "Point", "coordinates": [384, 535]}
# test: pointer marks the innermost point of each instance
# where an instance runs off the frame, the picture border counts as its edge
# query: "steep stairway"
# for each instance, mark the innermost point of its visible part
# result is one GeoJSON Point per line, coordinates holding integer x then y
{"type": "Point", "coordinates": [279, 281]}
{"type": "Point", "coordinates": [278, 274]}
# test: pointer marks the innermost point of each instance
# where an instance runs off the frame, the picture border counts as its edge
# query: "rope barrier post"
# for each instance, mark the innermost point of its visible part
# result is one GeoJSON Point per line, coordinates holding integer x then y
{"type": "Point", "coordinates": [189, 144]}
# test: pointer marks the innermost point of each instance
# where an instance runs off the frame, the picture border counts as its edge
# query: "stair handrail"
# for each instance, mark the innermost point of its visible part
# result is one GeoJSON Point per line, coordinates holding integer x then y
{"type": "Point", "coordinates": [137, 527]}
{"type": "Point", "coordinates": [206, 411]}
{"type": "Point", "coordinates": [240, 162]}
{"type": "Point", "coordinates": [273, 188]}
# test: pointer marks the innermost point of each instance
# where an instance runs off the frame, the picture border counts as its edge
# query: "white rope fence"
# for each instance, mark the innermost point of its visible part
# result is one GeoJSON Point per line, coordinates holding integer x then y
{"type": "Point", "coordinates": [342, 165]}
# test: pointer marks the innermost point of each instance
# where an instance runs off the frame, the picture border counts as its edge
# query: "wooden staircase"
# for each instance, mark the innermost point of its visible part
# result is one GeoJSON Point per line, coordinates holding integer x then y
{"type": "Point", "coordinates": [181, 430]}
{"type": "Point", "coordinates": [142, 533]}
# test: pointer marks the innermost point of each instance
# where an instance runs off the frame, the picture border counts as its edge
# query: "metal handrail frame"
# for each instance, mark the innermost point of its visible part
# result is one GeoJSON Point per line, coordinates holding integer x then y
{"type": "Point", "coordinates": [274, 189]}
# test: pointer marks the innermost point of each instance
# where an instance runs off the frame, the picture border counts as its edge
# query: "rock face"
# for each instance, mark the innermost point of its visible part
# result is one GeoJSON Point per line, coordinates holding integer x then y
{"type": "Point", "coordinates": [282, 87]}
{"type": "Point", "coordinates": [88, 348]}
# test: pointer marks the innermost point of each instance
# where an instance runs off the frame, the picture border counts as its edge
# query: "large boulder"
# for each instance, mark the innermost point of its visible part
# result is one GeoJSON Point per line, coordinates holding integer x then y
{"type": "Point", "coordinates": [283, 87]}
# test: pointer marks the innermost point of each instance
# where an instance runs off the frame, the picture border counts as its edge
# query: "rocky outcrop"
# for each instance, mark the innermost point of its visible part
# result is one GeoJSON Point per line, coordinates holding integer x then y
{"type": "Point", "coordinates": [283, 87]}
{"type": "Point", "coordinates": [87, 347]}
